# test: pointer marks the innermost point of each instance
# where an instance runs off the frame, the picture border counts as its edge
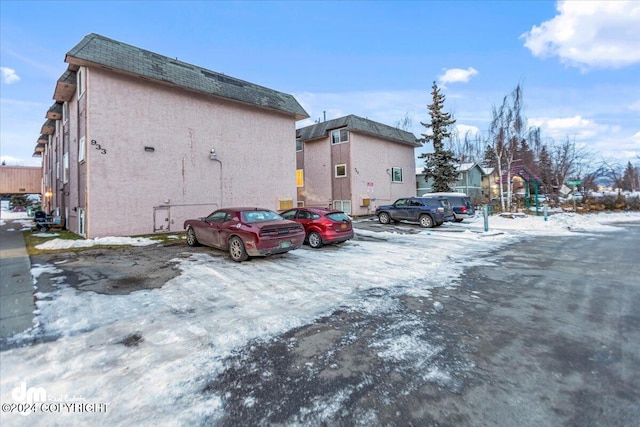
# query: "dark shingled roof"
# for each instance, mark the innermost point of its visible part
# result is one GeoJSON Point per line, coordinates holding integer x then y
{"type": "Point", "coordinates": [113, 54]}
{"type": "Point", "coordinates": [357, 124]}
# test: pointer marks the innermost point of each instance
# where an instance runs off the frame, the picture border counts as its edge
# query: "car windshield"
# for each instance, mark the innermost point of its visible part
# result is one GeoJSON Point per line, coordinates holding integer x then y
{"type": "Point", "coordinates": [257, 216]}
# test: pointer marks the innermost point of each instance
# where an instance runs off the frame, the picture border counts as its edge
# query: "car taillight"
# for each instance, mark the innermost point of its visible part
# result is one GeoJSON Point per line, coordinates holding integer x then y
{"type": "Point", "coordinates": [325, 222]}
{"type": "Point", "coordinates": [463, 209]}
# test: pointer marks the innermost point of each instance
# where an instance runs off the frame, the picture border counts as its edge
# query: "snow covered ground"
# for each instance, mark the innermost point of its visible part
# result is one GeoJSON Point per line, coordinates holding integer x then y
{"type": "Point", "coordinates": [146, 357]}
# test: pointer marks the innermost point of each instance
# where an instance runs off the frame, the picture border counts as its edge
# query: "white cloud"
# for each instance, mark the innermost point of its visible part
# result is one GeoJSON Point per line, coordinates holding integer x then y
{"type": "Point", "coordinates": [597, 34]}
{"type": "Point", "coordinates": [9, 75]}
{"type": "Point", "coordinates": [604, 140]}
{"type": "Point", "coordinates": [456, 75]}
{"type": "Point", "coordinates": [575, 127]}
{"type": "Point", "coordinates": [635, 106]}
{"type": "Point", "coordinates": [466, 129]}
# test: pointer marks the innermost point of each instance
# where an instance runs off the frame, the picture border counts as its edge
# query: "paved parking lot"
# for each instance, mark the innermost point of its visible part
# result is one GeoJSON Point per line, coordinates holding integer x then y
{"type": "Point", "coordinates": [543, 331]}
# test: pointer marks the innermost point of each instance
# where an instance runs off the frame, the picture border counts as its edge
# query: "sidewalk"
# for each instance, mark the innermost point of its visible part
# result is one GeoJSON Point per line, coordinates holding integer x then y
{"type": "Point", "coordinates": [16, 284]}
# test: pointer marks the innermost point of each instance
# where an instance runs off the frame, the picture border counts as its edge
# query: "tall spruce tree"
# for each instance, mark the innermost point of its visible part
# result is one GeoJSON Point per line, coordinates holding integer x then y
{"type": "Point", "coordinates": [441, 164]}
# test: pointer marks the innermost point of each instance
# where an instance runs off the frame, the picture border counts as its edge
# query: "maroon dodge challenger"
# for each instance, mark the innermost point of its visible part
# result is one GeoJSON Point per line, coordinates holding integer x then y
{"type": "Point", "coordinates": [245, 232]}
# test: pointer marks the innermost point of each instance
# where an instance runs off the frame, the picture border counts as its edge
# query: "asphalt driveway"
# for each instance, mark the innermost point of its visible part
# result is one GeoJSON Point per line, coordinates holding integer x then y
{"type": "Point", "coordinates": [545, 331]}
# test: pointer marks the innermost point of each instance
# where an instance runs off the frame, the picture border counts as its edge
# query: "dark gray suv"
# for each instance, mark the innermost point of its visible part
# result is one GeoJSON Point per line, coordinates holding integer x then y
{"type": "Point", "coordinates": [460, 202]}
{"type": "Point", "coordinates": [429, 212]}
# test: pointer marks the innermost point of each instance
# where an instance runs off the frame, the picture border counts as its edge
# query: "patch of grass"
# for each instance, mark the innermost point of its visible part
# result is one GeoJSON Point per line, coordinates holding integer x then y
{"type": "Point", "coordinates": [35, 238]}
{"type": "Point", "coordinates": [166, 239]}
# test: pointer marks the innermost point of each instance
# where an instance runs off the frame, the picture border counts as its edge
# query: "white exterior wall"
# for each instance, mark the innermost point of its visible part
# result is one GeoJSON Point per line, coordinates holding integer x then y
{"type": "Point", "coordinates": [256, 164]}
{"type": "Point", "coordinates": [373, 159]}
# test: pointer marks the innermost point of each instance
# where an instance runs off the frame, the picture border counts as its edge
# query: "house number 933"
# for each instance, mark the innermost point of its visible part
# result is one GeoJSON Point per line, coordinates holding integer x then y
{"type": "Point", "coordinates": [98, 146]}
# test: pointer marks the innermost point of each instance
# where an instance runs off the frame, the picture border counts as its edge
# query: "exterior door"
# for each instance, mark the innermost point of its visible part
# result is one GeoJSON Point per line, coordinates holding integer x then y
{"type": "Point", "coordinates": [161, 219]}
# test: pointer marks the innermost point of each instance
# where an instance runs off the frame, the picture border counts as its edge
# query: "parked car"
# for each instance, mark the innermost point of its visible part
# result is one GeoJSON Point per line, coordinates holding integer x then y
{"type": "Point", "coordinates": [428, 211]}
{"type": "Point", "coordinates": [323, 226]}
{"type": "Point", "coordinates": [460, 202]}
{"type": "Point", "coordinates": [245, 232]}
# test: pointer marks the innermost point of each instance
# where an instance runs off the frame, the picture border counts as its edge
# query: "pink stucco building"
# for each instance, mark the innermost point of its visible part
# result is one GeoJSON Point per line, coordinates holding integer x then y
{"type": "Point", "coordinates": [137, 142]}
{"type": "Point", "coordinates": [354, 164]}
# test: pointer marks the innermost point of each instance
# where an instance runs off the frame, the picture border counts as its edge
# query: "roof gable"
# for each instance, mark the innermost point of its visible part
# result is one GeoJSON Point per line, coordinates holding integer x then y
{"type": "Point", "coordinates": [359, 125]}
{"type": "Point", "coordinates": [115, 55]}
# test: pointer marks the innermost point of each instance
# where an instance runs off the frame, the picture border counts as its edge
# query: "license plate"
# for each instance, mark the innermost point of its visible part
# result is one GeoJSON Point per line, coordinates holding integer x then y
{"type": "Point", "coordinates": [343, 226]}
{"type": "Point", "coordinates": [285, 244]}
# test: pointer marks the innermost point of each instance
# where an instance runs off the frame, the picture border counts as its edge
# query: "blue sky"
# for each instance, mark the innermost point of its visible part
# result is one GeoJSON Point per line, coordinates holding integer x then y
{"type": "Point", "coordinates": [578, 62]}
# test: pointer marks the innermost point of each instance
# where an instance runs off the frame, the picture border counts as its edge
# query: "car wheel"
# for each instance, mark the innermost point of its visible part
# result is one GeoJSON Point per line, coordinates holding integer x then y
{"type": "Point", "coordinates": [438, 224]}
{"type": "Point", "coordinates": [191, 237]}
{"type": "Point", "coordinates": [315, 241]}
{"type": "Point", "coordinates": [384, 218]}
{"type": "Point", "coordinates": [426, 221]}
{"type": "Point", "coordinates": [237, 250]}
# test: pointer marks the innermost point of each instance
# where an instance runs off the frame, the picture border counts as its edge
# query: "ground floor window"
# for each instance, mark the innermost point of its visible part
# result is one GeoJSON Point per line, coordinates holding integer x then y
{"type": "Point", "coordinates": [342, 205]}
{"type": "Point", "coordinates": [81, 222]}
{"type": "Point", "coordinates": [300, 177]}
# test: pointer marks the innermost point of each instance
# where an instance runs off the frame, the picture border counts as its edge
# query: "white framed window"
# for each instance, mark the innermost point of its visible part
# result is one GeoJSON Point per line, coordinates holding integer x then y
{"type": "Point", "coordinates": [65, 167]}
{"type": "Point", "coordinates": [57, 127]}
{"type": "Point", "coordinates": [298, 145]}
{"type": "Point", "coordinates": [81, 221]}
{"type": "Point", "coordinates": [339, 136]}
{"type": "Point", "coordinates": [82, 85]}
{"type": "Point", "coordinates": [82, 148]}
{"type": "Point", "coordinates": [341, 170]}
{"type": "Point", "coordinates": [396, 175]}
{"type": "Point", "coordinates": [65, 112]}
{"type": "Point", "coordinates": [342, 205]}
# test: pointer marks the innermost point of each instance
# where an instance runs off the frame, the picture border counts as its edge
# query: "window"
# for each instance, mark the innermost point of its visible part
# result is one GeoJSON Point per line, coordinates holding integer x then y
{"type": "Point", "coordinates": [300, 177]}
{"type": "Point", "coordinates": [298, 145]}
{"type": "Point", "coordinates": [396, 175]}
{"type": "Point", "coordinates": [342, 205]}
{"type": "Point", "coordinates": [341, 171]}
{"type": "Point", "coordinates": [81, 221]}
{"type": "Point", "coordinates": [81, 150]}
{"type": "Point", "coordinates": [219, 216]}
{"type": "Point", "coordinates": [338, 136]}
{"type": "Point", "coordinates": [65, 112]}
{"type": "Point", "coordinates": [81, 82]}
{"type": "Point", "coordinates": [65, 166]}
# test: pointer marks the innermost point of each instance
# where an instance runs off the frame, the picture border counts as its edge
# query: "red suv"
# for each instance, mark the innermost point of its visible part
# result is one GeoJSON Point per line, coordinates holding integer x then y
{"type": "Point", "coordinates": [322, 225]}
